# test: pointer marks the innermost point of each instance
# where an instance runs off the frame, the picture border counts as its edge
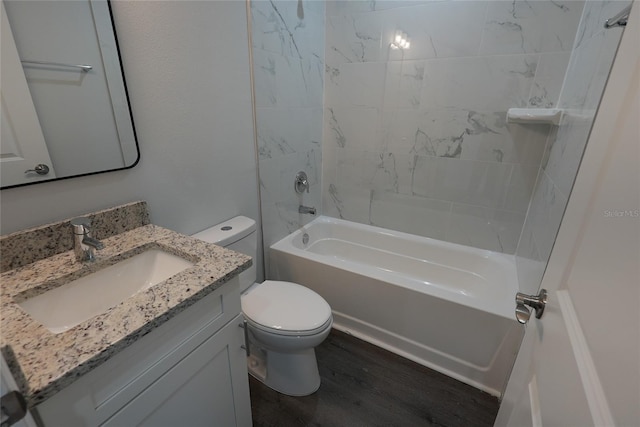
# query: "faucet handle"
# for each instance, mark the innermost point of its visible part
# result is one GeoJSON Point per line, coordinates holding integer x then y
{"type": "Point", "coordinates": [81, 225]}
{"type": "Point", "coordinates": [301, 183]}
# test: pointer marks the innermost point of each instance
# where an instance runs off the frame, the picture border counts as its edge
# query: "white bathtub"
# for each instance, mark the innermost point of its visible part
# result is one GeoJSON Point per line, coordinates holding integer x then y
{"type": "Point", "coordinates": [446, 306]}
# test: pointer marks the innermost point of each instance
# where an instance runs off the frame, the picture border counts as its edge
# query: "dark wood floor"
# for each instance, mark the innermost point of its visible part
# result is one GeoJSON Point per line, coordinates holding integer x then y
{"type": "Point", "coordinates": [363, 385]}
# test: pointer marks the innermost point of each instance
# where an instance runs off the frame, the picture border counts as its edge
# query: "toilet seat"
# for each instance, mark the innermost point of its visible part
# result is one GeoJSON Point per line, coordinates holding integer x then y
{"type": "Point", "coordinates": [286, 308]}
{"type": "Point", "coordinates": [282, 332]}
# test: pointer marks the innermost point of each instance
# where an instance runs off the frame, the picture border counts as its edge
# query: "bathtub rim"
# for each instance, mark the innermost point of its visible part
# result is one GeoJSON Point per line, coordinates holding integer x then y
{"type": "Point", "coordinates": [502, 305]}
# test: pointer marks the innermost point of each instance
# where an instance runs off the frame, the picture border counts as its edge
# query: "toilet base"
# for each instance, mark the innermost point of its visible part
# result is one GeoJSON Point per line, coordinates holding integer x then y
{"type": "Point", "coordinates": [293, 374]}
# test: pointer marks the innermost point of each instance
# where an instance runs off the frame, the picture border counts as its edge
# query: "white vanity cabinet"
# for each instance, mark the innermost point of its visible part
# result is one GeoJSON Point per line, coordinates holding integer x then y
{"type": "Point", "coordinates": [189, 371]}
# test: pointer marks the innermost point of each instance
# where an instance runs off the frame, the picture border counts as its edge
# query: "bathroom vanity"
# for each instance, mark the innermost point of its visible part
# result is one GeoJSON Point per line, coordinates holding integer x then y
{"type": "Point", "coordinates": [171, 354]}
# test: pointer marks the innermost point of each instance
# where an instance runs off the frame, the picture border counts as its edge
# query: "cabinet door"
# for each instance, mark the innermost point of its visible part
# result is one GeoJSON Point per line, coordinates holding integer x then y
{"type": "Point", "coordinates": [208, 387]}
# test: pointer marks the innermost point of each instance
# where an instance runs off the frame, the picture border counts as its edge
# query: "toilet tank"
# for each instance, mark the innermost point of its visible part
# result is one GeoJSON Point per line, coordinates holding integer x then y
{"type": "Point", "coordinates": [238, 234]}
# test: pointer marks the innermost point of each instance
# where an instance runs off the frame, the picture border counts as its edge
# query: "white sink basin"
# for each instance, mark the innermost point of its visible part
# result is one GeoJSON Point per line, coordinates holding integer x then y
{"type": "Point", "coordinates": [66, 306]}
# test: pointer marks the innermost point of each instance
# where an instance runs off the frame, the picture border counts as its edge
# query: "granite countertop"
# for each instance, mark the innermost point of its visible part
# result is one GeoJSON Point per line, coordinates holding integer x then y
{"type": "Point", "coordinates": [43, 363]}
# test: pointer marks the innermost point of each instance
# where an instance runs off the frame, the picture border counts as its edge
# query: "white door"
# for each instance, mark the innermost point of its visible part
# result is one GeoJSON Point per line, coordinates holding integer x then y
{"type": "Point", "coordinates": [22, 145]}
{"type": "Point", "coordinates": [579, 365]}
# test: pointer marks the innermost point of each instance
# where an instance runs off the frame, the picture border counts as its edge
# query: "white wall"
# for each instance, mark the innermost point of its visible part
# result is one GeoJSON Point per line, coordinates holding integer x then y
{"type": "Point", "coordinates": [189, 86]}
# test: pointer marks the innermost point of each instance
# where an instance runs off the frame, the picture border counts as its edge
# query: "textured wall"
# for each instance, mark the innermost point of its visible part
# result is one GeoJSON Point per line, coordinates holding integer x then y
{"type": "Point", "coordinates": [416, 140]}
{"type": "Point", "coordinates": [288, 54]}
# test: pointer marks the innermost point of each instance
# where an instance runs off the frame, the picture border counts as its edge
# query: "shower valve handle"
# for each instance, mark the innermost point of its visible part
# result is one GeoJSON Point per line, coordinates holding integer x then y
{"type": "Point", "coordinates": [301, 183]}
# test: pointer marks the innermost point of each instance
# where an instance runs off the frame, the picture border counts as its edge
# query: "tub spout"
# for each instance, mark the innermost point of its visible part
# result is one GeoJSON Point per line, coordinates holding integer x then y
{"type": "Point", "coordinates": [306, 210]}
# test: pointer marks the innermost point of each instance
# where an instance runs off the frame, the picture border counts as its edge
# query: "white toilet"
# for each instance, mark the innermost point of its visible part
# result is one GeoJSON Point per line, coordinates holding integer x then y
{"type": "Point", "coordinates": [285, 320]}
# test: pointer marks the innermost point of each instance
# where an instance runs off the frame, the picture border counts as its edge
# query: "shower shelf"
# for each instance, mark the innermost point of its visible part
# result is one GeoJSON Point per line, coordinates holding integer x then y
{"type": "Point", "coordinates": [550, 116]}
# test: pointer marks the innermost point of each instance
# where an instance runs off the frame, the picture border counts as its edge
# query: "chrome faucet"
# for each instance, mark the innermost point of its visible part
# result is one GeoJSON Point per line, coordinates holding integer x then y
{"type": "Point", "coordinates": [84, 245]}
{"type": "Point", "coordinates": [306, 210]}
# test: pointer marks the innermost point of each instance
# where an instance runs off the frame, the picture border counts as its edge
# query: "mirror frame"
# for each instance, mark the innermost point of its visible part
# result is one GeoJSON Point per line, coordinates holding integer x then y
{"type": "Point", "coordinates": [135, 135]}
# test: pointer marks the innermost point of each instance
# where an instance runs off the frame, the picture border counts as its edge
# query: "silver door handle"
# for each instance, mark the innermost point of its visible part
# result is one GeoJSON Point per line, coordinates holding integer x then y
{"type": "Point", "coordinates": [40, 169]}
{"type": "Point", "coordinates": [537, 302]}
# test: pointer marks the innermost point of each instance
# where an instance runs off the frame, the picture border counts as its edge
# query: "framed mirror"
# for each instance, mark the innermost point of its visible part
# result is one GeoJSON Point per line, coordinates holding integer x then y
{"type": "Point", "coordinates": [65, 108]}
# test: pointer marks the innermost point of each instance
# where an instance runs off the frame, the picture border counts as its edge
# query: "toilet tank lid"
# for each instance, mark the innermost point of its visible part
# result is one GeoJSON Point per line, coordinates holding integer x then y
{"type": "Point", "coordinates": [228, 232]}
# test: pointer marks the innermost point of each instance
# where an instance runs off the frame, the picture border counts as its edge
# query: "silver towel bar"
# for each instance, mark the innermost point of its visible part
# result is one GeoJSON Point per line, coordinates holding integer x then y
{"type": "Point", "coordinates": [619, 20]}
{"type": "Point", "coordinates": [83, 67]}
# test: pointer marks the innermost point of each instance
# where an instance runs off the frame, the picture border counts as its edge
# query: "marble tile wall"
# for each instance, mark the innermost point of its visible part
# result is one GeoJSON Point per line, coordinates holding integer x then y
{"type": "Point", "coordinates": [591, 58]}
{"type": "Point", "coordinates": [288, 55]}
{"type": "Point", "coordinates": [416, 140]}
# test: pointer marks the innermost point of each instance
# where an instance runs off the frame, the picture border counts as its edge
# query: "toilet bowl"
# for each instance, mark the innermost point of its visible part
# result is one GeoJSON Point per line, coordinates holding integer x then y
{"type": "Point", "coordinates": [285, 321]}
